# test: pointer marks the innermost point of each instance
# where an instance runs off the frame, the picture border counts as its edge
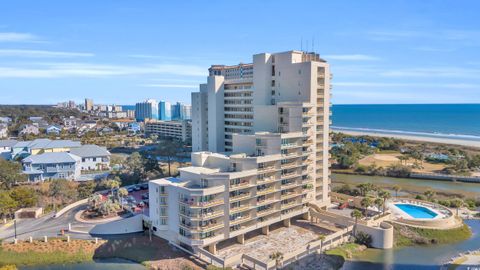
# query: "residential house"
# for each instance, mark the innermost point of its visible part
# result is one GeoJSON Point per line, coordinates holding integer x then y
{"type": "Point", "coordinates": [6, 148]}
{"type": "Point", "coordinates": [52, 166]}
{"type": "Point", "coordinates": [70, 123]}
{"type": "Point", "coordinates": [25, 148]}
{"type": "Point", "coordinates": [134, 128]}
{"type": "Point", "coordinates": [39, 122]}
{"type": "Point", "coordinates": [3, 131]}
{"type": "Point", "coordinates": [6, 120]}
{"type": "Point", "coordinates": [29, 129]}
{"type": "Point", "coordinates": [93, 157]}
{"type": "Point", "coordinates": [53, 129]}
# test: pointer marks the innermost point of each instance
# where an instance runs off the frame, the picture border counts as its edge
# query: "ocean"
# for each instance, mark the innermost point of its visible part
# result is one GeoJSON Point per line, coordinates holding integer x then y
{"type": "Point", "coordinates": [459, 121]}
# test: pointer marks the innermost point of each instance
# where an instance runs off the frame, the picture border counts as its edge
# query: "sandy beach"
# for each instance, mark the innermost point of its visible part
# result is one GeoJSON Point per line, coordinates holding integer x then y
{"type": "Point", "coordinates": [422, 138]}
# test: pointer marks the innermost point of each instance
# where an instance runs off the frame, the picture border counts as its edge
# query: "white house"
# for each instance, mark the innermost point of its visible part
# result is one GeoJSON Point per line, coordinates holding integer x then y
{"type": "Point", "coordinates": [3, 131]}
{"type": "Point", "coordinates": [93, 157]}
{"type": "Point", "coordinates": [6, 148]}
{"type": "Point", "coordinates": [29, 129]}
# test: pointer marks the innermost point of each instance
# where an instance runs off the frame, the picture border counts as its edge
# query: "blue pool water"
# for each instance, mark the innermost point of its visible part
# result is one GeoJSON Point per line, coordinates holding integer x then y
{"type": "Point", "coordinates": [416, 211]}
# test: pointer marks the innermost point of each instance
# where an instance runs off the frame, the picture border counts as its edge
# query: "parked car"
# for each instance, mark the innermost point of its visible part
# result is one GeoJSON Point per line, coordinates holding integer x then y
{"type": "Point", "coordinates": [144, 186]}
{"type": "Point", "coordinates": [145, 196]}
{"type": "Point", "coordinates": [130, 189]}
{"type": "Point", "coordinates": [137, 188]}
{"type": "Point", "coordinates": [146, 202]}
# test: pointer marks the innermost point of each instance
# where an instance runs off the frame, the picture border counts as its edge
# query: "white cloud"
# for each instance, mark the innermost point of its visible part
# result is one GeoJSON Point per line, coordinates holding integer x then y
{"type": "Point", "coordinates": [351, 57]}
{"type": "Point", "coordinates": [451, 72]}
{"type": "Point", "coordinates": [411, 85]}
{"type": "Point", "coordinates": [156, 85]}
{"type": "Point", "coordinates": [17, 37]}
{"type": "Point", "coordinates": [61, 70]}
{"type": "Point", "coordinates": [41, 53]}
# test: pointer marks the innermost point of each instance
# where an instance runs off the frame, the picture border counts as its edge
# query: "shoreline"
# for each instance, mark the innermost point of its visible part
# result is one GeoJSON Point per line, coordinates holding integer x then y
{"type": "Point", "coordinates": [419, 138]}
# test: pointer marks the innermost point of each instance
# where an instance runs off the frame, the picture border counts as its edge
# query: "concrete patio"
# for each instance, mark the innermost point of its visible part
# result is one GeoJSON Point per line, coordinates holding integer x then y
{"type": "Point", "coordinates": [280, 239]}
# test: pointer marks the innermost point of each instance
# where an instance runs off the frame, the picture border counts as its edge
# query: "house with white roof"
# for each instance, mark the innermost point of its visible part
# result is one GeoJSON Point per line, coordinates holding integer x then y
{"type": "Point", "coordinates": [3, 131]}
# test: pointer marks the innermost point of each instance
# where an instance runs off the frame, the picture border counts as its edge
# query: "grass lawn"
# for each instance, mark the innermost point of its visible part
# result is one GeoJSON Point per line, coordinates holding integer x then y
{"type": "Point", "coordinates": [56, 251]}
{"type": "Point", "coordinates": [408, 236]}
{"type": "Point", "coordinates": [134, 248]}
{"type": "Point", "coordinates": [346, 250]}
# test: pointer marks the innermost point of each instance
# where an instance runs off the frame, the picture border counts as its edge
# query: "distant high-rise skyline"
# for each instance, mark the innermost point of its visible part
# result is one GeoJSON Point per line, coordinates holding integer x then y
{"type": "Point", "coordinates": [146, 110]}
{"type": "Point", "coordinates": [164, 110]}
{"type": "Point", "coordinates": [407, 52]}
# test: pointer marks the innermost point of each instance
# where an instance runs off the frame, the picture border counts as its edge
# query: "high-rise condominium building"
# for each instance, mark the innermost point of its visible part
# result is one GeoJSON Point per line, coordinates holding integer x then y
{"type": "Point", "coordinates": [181, 111]}
{"type": "Point", "coordinates": [88, 104]}
{"type": "Point", "coordinates": [262, 133]}
{"type": "Point", "coordinates": [164, 110]}
{"type": "Point", "coordinates": [146, 110]}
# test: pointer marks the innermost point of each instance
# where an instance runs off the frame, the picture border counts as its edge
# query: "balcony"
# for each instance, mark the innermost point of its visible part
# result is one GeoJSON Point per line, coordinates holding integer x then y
{"type": "Point", "coordinates": [265, 191]}
{"type": "Point", "coordinates": [239, 197]}
{"type": "Point", "coordinates": [196, 228]}
{"type": "Point", "coordinates": [197, 204]}
{"type": "Point", "coordinates": [266, 180]}
{"type": "Point", "coordinates": [267, 169]}
{"type": "Point", "coordinates": [240, 220]}
{"type": "Point", "coordinates": [288, 205]}
{"type": "Point", "coordinates": [265, 212]}
{"type": "Point", "coordinates": [245, 184]}
{"type": "Point", "coordinates": [240, 208]}
{"type": "Point", "coordinates": [289, 195]}
{"type": "Point", "coordinates": [290, 165]}
{"type": "Point", "coordinates": [290, 145]}
{"type": "Point", "coordinates": [202, 216]}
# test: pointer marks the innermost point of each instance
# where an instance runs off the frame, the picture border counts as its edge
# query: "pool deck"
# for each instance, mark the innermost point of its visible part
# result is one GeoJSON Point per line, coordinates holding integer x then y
{"type": "Point", "coordinates": [445, 218]}
{"type": "Point", "coordinates": [398, 212]}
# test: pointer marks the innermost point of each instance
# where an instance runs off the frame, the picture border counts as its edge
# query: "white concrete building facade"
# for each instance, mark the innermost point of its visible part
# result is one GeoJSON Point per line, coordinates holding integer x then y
{"type": "Point", "coordinates": [262, 133]}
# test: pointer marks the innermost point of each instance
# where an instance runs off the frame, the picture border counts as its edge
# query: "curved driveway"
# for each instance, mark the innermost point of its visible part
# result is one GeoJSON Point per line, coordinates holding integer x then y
{"type": "Point", "coordinates": [49, 226]}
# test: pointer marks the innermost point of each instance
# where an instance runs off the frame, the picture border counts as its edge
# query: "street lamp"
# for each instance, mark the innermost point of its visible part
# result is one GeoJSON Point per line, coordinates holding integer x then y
{"type": "Point", "coordinates": [15, 227]}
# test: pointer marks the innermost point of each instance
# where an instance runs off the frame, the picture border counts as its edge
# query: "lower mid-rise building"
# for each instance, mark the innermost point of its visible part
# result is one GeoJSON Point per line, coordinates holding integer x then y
{"type": "Point", "coordinates": [181, 130]}
{"type": "Point", "coordinates": [265, 180]}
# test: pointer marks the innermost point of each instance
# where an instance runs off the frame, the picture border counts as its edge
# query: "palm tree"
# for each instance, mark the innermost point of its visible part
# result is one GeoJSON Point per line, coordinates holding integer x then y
{"type": "Point", "coordinates": [456, 203]}
{"type": "Point", "coordinates": [396, 188]}
{"type": "Point", "coordinates": [402, 159]}
{"type": "Point", "coordinates": [429, 194]}
{"type": "Point", "coordinates": [113, 184]}
{"type": "Point", "coordinates": [356, 214]}
{"type": "Point", "coordinates": [384, 195]}
{"type": "Point", "coordinates": [94, 200]}
{"type": "Point", "coordinates": [321, 238]}
{"type": "Point", "coordinates": [378, 202]}
{"type": "Point", "coordinates": [366, 202]}
{"type": "Point", "coordinates": [122, 193]}
{"type": "Point", "coordinates": [278, 257]}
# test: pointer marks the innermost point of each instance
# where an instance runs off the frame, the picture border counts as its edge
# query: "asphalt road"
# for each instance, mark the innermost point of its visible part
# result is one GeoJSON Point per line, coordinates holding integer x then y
{"type": "Point", "coordinates": [48, 226]}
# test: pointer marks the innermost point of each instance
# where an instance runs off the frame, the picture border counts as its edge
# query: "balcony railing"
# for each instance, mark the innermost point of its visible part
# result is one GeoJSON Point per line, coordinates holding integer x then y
{"type": "Point", "coordinates": [202, 216]}
{"type": "Point", "coordinates": [265, 191]}
{"type": "Point", "coordinates": [240, 197]}
{"type": "Point", "coordinates": [201, 204]}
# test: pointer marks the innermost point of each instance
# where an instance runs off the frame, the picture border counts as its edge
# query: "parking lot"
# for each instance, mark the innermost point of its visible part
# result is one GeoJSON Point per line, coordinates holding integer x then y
{"type": "Point", "coordinates": [137, 198]}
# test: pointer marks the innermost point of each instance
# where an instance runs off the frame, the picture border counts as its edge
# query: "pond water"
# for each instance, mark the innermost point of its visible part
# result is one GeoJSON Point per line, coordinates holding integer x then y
{"type": "Point", "coordinates": [438, 186]}
{"type": "Point", "coordinates": [418, 257]}
{"type": "Point", "coordinates": [110, 264]}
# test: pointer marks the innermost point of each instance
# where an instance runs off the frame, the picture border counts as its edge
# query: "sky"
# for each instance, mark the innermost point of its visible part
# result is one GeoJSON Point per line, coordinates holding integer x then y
{"type": "Point", "coordinates": [123, 52]}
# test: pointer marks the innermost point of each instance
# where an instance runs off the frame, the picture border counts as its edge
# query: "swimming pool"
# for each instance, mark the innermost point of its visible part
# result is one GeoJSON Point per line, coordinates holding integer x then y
{"type": "Point", "coordinates": [416, 211]}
